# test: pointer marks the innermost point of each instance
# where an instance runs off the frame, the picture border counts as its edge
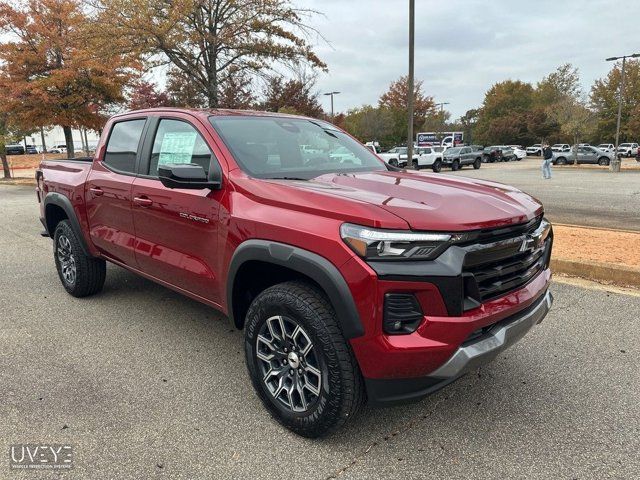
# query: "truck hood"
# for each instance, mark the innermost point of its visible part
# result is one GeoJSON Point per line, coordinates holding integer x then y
{"type": "Point", "coordinates": [431, 201]}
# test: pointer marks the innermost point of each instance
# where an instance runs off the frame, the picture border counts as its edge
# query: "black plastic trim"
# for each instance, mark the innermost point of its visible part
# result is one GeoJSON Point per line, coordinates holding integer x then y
{"type": "Point", "coordinates": [318, 268]}
{"type": "Point", "coordinates": [59, 200]}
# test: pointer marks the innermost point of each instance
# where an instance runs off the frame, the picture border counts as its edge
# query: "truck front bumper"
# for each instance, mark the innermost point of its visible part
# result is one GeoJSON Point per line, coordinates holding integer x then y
{"type": "Point", "coordinates": [468, 356]}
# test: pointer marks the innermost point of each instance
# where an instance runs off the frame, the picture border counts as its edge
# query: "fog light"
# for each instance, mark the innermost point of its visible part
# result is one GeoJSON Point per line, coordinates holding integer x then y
{"type": "Point", "coordinates": [402, 313]}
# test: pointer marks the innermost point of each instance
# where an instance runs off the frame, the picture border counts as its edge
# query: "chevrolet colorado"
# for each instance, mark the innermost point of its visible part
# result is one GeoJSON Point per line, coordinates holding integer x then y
{"type": "Point", "coordinates": [352, 280]}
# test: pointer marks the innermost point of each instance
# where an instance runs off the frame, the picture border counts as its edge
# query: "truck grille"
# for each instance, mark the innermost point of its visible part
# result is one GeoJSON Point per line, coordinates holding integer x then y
{"type": "Point", "coordinates": [505, 260]}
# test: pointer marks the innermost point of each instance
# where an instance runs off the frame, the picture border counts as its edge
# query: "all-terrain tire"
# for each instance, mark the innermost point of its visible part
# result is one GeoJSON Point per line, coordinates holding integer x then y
{"type": "Point", "coordinates": [341, 390]}
{"type": "Point", "coordinates": [81, 275]}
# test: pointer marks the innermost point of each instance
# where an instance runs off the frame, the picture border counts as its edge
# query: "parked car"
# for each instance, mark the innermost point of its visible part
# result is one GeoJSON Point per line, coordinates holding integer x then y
{"type": "Point", "coordinates": [638, 155]}
{"type": "Point", "coordinates": [353, 282]}
{"type": "Point", "coordinates": [396, 157]}
{"type": "Point", "coordinates": [561, 147]}
{"type": "Point", "coordinates": [31, 149]}
{"type": "Point", "coordinates": [607, 147]}
{"type": "Point", "coordinates": [519, 151]}
{"type": "Point", "coordinates": [589, 154]}
{"type": "Point", "coordinates": [14, 149]}
{"type": "Point", "coordinates": [627, 149]}
{"type": "Point", "coordinates": [457, 157]}
{"type": "Point", "coordinates": [428, 157]}
{"type": "Point", "coordinates": [535, 150]}
{"type": "Point", "coordinates": [492, 154]}
{"type": "Point", "coordinates": [58, 149]}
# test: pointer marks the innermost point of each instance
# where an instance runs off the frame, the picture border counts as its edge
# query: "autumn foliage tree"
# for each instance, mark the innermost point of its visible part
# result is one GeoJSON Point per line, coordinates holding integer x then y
{"type": "Point", "coordinates": [395, 99]}
{"type": "Point", "coordinates": [210, 41]}
{"type": "Point", "coordinates": [146, 95]}
{"type": "Point", "coordinates": [54, 70]}
{"type": "Point", "coordinates": [291, 96]}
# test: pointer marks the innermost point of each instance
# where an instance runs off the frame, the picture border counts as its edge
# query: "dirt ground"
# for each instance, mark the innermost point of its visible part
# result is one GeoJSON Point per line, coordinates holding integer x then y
{"type": "Point", "coordinates": [32, 161]}
{"type": "Point", "coordinates": [596, 245]}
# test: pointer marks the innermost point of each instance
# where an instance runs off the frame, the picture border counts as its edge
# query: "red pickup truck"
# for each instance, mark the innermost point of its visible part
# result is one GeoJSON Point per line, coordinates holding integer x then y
{"type": "Point", "coordinates": [353, 280]}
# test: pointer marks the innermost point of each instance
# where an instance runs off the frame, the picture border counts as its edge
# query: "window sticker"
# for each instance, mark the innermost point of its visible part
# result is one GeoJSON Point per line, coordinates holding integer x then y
{"type": "Point", "coordinates": [177, 147]}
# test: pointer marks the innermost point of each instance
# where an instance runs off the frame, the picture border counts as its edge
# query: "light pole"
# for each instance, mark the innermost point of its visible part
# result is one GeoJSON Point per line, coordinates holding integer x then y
{"type": "Point", "coordinates": [332, 94]}
{"type": "Point", "coordinates": [441, 105]}
{"type": "Point", "coordinates": [615, 164]}
{"type": "Point", "coordinates": [412, 22]}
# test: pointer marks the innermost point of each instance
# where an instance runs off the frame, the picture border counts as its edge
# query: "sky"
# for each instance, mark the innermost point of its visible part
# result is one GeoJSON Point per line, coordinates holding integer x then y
{"type": "Point", "coordinates": [463, 47]}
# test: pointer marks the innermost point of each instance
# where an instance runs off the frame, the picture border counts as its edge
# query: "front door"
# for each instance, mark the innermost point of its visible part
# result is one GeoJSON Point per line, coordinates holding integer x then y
{"type": "Point", "coordinates": [108, 192]}
{"type": "Point", "coordinates": [177, 229]}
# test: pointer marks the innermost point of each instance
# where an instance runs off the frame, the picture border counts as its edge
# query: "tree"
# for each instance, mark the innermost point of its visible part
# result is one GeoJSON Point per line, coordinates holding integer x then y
{"type": "Point", "coordinates": [3, 144]}
{"type": "Point", "coordinates": [558, 86]}
{"type": "Point", "coordinates": [395, 99]}
{"type": "Point", "coordinates": [236, 92]}
{"type": "Point", "coordinates": [145, 95]}
{"type": "Point", "coordinates": [468, 122]}
{"type": "Point", "coordinates": [503, 116]}
{"type": "Point", "coordinates": [575, 120]}
{"type": "Point", "coordinates": [54, 71]}
{"type": "Point", "coordinates": [604, 101]}
{"type": "Point", "coordinates": [209, 41]}
{"type": "Point", "coordinates": [182, 91]}
{"type": "Point", "coordinates": [369, 123]}
{"type": "Point", "coordinates": [291, 96]}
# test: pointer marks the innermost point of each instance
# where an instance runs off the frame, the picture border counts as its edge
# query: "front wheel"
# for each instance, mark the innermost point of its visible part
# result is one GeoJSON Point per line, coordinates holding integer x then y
{"type": "Point", "coordinates": [455, 165]}
{"type": "Point", "coordinates": [415, 165]}
{"type": "Point", "coordinates": [477, 163]}
{"type": "Point", "coordinates": [80, 274]}
{"type": "Point", "coordinates": [437, 166]}
{"type": "Point", "coordinates": [393, 162]}
{"type": "Point", "coordinates": [603, 161]}
{"type": "Point", "coordinates": [561, 161]}
{"type": "Point", "coordinates": [301, 366]}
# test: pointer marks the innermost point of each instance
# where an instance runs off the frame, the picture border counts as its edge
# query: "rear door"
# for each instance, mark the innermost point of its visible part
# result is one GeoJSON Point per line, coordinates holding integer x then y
{"type": "Point", "coordinates": [177, 229]}
{"type": "Point", "coordinates": [108, 190]}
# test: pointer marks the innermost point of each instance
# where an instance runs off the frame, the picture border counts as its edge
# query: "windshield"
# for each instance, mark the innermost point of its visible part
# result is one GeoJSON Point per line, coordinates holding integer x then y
{"type": "Point", "coordinates": [453, 151]}
{"type": "Point", "coordinates": [295, 148]}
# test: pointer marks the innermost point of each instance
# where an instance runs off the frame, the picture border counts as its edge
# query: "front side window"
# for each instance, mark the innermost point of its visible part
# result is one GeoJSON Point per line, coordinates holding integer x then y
{"type": "Point", "coordinates": [178, 142]}
{"type": "Point", "coordinates": [282, 147]}
{"type": "Point", "coordinates": [122, 146]}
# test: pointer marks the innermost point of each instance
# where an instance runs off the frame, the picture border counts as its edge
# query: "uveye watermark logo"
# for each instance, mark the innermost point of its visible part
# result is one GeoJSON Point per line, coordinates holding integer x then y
{"type": "Point", "coordinates": [41, 456]}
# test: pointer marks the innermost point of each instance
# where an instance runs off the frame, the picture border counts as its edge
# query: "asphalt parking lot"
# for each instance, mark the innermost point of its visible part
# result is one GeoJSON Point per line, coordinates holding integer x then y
{"type": "Point", "coordinates": [144, 382]}
{"type": "Point", "coordinates": [586, 195]}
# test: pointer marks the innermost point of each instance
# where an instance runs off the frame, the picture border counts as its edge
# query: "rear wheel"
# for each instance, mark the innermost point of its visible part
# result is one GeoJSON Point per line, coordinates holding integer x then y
{"type": "Point", "coordinates": [561, 161]}
{"type": "Point", "coordinates": [477, 163]}
{"type": "Point", "coordinates": [415, 165]}
{"type": "Point", "coordinates": [437, 166]}
{"type": "Point", "coordinates": [455, 165]}
{"type": "Point", "coordinates": [80, 274]}
{"type": "Point", "coordinates": [301, 366]}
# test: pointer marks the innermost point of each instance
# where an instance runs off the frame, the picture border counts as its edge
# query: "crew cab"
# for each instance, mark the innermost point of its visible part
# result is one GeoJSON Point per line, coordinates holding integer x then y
{"type": "Point", "coordinates": [456, 157]}
{"type": "Point", "coordinates": [353, 280]}
{"type": "Point", "coordinates": [398, 156]}
{"type": "Point", "coordinates": [428, 157]}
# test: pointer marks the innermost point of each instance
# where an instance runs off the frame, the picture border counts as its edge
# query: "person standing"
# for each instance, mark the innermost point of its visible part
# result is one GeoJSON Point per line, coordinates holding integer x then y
{"type": "Point", "coordinates": [547, 154]}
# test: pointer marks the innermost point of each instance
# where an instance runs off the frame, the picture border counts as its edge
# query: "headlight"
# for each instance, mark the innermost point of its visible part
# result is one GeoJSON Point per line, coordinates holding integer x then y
{"type": "Point", "coordinates": [377, 244]}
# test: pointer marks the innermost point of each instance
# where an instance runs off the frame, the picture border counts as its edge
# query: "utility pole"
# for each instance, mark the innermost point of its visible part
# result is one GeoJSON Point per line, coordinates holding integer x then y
{"type": "Point", "coordinates": [332, 94]}
{"type": "Point", "coordinates": [412, 22]}
{"type": "Point", "coordinates": [615, 164]}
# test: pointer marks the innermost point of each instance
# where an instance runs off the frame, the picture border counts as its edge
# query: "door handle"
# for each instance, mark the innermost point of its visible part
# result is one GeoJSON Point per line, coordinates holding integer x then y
{"type": "Point", "coordinates": [96, 191]}
{"type": "Point", "coordinates": [142, 201]}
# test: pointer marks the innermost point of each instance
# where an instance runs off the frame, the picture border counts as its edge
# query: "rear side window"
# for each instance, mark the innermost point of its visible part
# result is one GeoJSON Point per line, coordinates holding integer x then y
{"type": "Point", "coordinates": [122, 146]}
{"type": "Point", "coordinates": [178, 142]}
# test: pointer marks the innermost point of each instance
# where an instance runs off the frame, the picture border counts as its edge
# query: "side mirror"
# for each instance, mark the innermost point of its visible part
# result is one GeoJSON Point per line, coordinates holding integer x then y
{"type": "Point", "coordinates": [190, 175]}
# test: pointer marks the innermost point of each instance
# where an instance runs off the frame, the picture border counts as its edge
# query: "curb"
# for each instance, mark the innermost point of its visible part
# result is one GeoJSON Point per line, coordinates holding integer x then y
{"type": "Point", "coordinates": [601, 272]}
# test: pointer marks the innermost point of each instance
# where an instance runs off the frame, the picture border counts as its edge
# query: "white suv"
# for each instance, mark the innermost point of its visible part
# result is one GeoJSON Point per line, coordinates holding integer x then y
{"type": "Point", "coordinates": [627, 149]}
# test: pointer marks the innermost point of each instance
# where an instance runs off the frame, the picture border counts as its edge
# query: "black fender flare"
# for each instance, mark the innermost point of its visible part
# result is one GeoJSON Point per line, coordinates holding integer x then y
{"type": "Point", "coordinates": [312, 265]}
{"type": "Point", "coordinates": [59, 200]}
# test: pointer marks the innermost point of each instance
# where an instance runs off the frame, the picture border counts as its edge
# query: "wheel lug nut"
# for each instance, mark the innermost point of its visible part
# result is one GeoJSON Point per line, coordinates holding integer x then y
{"type": "Point", "coordinates": [291, 372]}
{"type": "Point", "coordinates": [300, 371]}
{"type": "Point", "coordinates": [285, 349]}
